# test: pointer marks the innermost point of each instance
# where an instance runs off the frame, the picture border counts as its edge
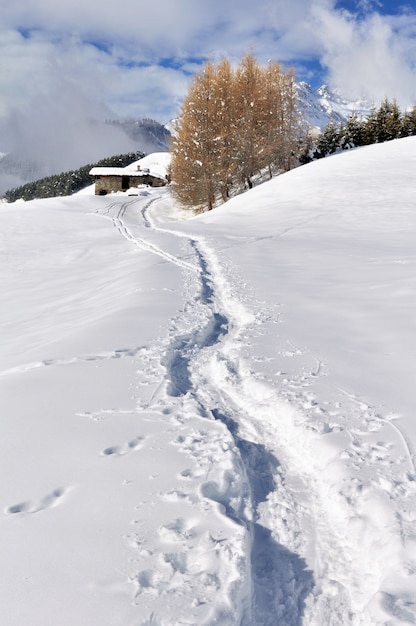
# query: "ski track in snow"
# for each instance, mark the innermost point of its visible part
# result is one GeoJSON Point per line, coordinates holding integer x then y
{"type": "Point", "coordinates": [276, 492]}
{"type": "Point", "coordinates": [270, 581]}
{"type": "Point", "coordinates": [120, 353]}
{"type": "Point", "coordinates": [116, 212]}
{"type": "Point", "coordinates": [283, 543]}
{"type": "Point", "coordinates": [280, 498]}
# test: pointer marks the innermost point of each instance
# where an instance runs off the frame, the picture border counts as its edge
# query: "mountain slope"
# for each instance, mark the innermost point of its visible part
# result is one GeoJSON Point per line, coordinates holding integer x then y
{"type": "Point", "coordinates": [210, 420]}
{"type": "Point", "coordinates": [321, 106]}
{"type": "Point", "coordinates": [48, 156]}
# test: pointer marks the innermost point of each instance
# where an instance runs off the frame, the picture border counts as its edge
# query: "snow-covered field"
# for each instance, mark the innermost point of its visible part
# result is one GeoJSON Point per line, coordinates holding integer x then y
{"type": "Point", "coordinates": [211, 420]}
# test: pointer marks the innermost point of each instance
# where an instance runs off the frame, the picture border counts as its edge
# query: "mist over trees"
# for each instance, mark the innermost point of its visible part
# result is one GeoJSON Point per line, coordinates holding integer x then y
{"type": "Point", "coordinates": [234, 124]}
{"type": "Point", "coordinates": [67, 183]}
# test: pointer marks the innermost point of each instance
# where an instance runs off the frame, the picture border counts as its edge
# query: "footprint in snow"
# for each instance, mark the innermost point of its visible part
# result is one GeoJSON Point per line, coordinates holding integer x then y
{"type": "Point", "coordinates": [49, 501]}
{"type": "Point", "coordinates": [122, 450]}
{"type": "Point", "coordinates": [178, 531]}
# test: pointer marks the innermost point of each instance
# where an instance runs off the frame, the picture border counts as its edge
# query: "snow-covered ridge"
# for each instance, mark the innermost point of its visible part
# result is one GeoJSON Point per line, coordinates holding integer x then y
{"type": "Point", "coordinates": [323, 105]}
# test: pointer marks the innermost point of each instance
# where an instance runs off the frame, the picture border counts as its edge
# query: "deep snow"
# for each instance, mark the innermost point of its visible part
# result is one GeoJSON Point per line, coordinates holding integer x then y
{"type": "Point", "coordinates": [210, 420]}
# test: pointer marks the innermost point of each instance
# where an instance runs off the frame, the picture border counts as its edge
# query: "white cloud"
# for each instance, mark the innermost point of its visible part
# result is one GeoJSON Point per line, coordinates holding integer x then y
{"type": "Point", "coordinates": [113, 54]}
{"type": "Point", "coordinates": [75, 60]}
{"type": "Point", "coordinates": [374, 57]}
{"type": "Point", "coordinates": [51, 100]}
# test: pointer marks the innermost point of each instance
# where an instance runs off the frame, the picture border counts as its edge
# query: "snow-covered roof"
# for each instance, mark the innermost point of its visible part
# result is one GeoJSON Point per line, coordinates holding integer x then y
{"type": "Point", "coordinates": [155, 164]}
{"type": "Point", "coordinates": [117, 171]}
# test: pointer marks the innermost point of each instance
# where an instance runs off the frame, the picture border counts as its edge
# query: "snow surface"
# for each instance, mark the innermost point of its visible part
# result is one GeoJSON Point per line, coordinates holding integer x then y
{"type": "Point", "coordinates": [211, 420]}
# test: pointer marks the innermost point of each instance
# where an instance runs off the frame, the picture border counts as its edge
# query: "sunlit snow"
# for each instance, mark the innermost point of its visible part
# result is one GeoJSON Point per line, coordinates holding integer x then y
{"type": "Point", "coordinates": [211, 420]}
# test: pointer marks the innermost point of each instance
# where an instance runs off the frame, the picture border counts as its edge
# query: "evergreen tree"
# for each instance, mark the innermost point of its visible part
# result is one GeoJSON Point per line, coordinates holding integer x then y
{"type": "Point", "coordinates": [67, 183]}
{"type": "Point", "coordinates": [382, 124]}
{"type": "Point", "coordinates": [371, 128]}
{"type": "Point", "coordinates": [328, 141]}
{"type": "Point", "coordinates": [353, 133]}
{"type": "Point", "coordinates": [409, 123]}
{"type": "Point", "coordinates": [308, 148]}
{"type": "Point", "coordinates": [388, 121]}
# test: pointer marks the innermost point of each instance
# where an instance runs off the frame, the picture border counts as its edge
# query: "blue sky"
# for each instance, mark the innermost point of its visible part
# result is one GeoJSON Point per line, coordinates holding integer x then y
{"type": "Point", "coordinates": [376, 28]}
{"type": "Point", "coordinates": [77, 59]}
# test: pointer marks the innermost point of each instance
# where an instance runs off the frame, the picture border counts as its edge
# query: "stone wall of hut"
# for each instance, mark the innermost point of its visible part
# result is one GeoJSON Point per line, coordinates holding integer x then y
{"type": "Point", "coordinates": [109, 184]}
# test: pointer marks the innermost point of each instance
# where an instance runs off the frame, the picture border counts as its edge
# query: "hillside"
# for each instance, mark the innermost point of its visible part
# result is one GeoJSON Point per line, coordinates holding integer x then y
{"type": "Point", "coordinates": [67, 183]}
{"type": "Point", "coordinates": [47, 156]}
{"type": "Point", "coordinates": [21, 166]}
{"type": "Point", "coordinates": [209, 420]}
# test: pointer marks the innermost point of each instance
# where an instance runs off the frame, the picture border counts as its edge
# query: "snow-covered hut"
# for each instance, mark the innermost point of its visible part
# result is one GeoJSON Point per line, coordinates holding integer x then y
{"type": "Point", "coordinates": [111, 179]}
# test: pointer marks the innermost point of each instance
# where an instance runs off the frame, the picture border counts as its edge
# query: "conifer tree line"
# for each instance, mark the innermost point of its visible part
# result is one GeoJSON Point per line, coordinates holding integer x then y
{"type": "Point", "coordinates": [234, 124]}
{"type": "Point", "coordinates": [67, 183]}
{"type": "Point", "coordinates": [383, 124]}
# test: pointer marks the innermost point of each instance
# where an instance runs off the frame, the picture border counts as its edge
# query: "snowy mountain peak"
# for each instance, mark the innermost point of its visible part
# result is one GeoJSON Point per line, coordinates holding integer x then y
{"type": "Point", "coordinates": [322, 105]}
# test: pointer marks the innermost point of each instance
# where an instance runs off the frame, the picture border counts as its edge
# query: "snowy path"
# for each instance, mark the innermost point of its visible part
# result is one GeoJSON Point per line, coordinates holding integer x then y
{"type": "Point", "coordinates": [211, 421]}
{"type": "Point", "coordinates": [299, 548]}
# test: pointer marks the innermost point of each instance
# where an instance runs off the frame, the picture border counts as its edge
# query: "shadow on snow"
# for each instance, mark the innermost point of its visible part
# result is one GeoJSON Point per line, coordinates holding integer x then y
{"type": "Point", "coordinates": [280, 578]}
{"type": "Point", "coordinates": [183, 350]}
